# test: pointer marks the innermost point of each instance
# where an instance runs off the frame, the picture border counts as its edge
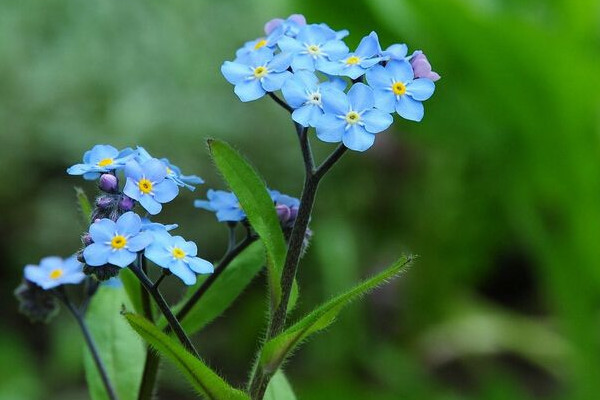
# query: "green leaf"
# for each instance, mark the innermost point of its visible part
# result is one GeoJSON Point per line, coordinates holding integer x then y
{"type": "Point", "coordinates": [279, 388]}
{"type": "Point", "coordinates": [223, 292]}
{"type": "Point", "coordinates": [202, 378]}
{"type": "Point", "coordinates": [256, 202]}
{"type": "Point", "coordinates": [132, 288]}
{"type": "Point", "coordinates": [121, 350]}
{"type": "Point", "coordinates": [277, 349]}
{"type": "Point", "coordinates": [85, 207]}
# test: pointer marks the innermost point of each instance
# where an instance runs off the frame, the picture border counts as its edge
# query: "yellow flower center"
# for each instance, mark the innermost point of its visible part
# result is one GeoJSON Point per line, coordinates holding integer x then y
{"type": "Point", "coordinates": [314, 49]}
{"type": "Point", "coordinates": [259, 72]}
{"type": "Point", "coordinates": [145, 186]}
{"type": "Point", "coordinates": [352, 117]}
{"type": "Point", "coordinates": [169, 171]}
{"type": "Point", "coordinates": [56, 273]}
{"type": "Point", "coordinates": [118, 242]}
{"type": "Point", "coordinates": [104, 162]}
{"type": "Point", "coordinates": [398, 88]}
{"type": "Point", "coordinates": [260, 43]}
{"type": "Point", "coordinates": [178, 253]}
{"type": "Point", "coordinates": [352, 60]}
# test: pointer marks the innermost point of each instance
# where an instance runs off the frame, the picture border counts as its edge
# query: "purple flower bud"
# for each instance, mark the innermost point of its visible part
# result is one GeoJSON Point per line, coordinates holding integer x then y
{"type": "Point", "coordinates": [86, 239]}
{"type": "Point", "coordinates": [283, 212]}
{"type": "Point", "coordinates": [273, 24]}
{"type": "Point", "coordinates": [293, 213]}
{"type": "Point", "coordinates": [421, 66]}
{"type": "Point", "coordinates": [108, 183]}
{"type": "Point", "coordinates": [103, 202]}
{"type": "Point", "coordinates": [126, 203]}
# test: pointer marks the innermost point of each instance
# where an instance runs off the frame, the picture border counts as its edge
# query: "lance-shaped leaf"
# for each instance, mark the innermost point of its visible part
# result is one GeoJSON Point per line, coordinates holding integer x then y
{"type": "Point", "coordinates": [275, 351]}
{"type": "Point", "coordinates": [223, 292]}
{"type": "Point", "coordinates": [121, 350]}
{"type": "Point", "coordinates": [203, 379]}
{"type": "Point", "coordinates": [85, 208]}
{"type": "Point", "coordinates": [256, 202]}
{"type": "Point", "coordinates": [279, 388]}
{"type": "Point", "coordinates": [133, 289]}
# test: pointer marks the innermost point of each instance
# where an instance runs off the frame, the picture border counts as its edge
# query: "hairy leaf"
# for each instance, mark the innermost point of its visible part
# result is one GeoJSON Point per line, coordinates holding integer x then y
{"type": "Point", "coordinates": [85, 207]}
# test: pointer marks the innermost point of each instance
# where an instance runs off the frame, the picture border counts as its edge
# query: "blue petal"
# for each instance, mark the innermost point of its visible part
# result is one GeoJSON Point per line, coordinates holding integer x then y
{"type": "Point", "coordinates": [131, 189]}
{"type": "Point", "coordinates": [78, 169]}
{"type": "Point", "coordinates": [335, 50]}
{"type": "Point", "coordinates": [353, 71]}
{"type": "Point", "coordinates": [401, 71]}
{"type": "Point", "coordinates": [334, 101]}
{"type": "Point", "coordinates": [155, 170]}
{"type": "Point", "coordinates": [280, 62]}
{"type": "Point", "coordinates": [204, 204]}
{"type": "Point", "coordinates": [188, 247]}
{"type": "Point", "coordinates": [96, 254]}
{"type": "Point", "coordinates": [360, 97]}
{"type": "Point", "coordinates": [231, 215]}
{"type": "Point", "coordinates": [303, 62]}
{"type": "Point", "coordinates": [385, 100]}
{"type": "Point", "coordinates": [307, 115]}
{"type": "Point", "coordinates": [149, 204]}
{"type": "Point", "coordinates": [102, 151]}
{"type": "Point", "coordinates": [121, 258]}
{"type": "Point", "coordinates": [235, 72]}
{"type": "Point", "coordinates": [50, 263]}
{"type": "Point", "coordinates": [397, 51]}
{"type": "Point", "coordinates": [200, 266]}
{"type": "Point", "coordinates": [128, 224]}
{"type": "Point", "coordinates": [379, 78]}
{"type": "Point", "coordinates": [133, 170]}
{"type": "Point", "coordinates": [410, 109]}
{"type": "Point", "coordinates": [157, 253]}
{"type": "Point", "coordinates": [356, 138]}
{"type": "Point", "coordinates": [368, 46]}
{"type": "Point", "coordinates": [183, 271]}
{"type": "Point", "coordinates": [140, 241]}
{"type": "Point", "coordinates": [165, 191]}
{"type": "Point", "coordinates": [420, 89]}
{"type": "Point", "coordinates": [294, 92]}
{"type": "Point", "coordinates": [330, 128]}
{"type": "Point", "coordinates": [249, 90]}
{"type": "Point", "coordinates": [287, 44]}
{"type": "Point", "coordinates": [35, 274]}
{"type": "Point", "coordinates": [72, 264]}
{"type": "Point", "coordinates": [274, 80]}
{"type": "Point", "coordinates": [376, 121]}
{"type": "Point", "coordinates": [330, 67]}
{"type": "Point", "coordinates": [73, 278]}
{"type": "Point", "coordinates": [103, 230]}
{"type": "Point", "coordinates": [334, 82]}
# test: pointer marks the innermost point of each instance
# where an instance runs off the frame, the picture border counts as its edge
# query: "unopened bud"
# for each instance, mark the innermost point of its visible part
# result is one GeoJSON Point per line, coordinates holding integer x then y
{"type": "Point", "coordinates": [108, 183]}
{"type": "Point", "coordinates": [103, 202]}
{"type": "Point", "coordinates": [283, 212]}
{"type": "Point", "coordinates": [86, 239]}
{"type": "Point", "coordinates": [126, 203]}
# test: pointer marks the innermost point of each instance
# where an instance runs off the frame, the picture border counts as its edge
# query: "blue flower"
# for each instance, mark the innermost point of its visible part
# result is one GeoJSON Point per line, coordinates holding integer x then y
{"type": "Point", "coordinates": [178, 256]}
{"type": "Point", "coordinates": [397, 90]}
{"type": "Point", "coordinates": [147, 183]}
{"type": "Point", "coordinates": [313, 45]}
{"type": "Point", "coordinates": [352, 118]}
{"type": "Point", "coordinates": [395, 52]}
{"type": "Point", "coordinates": [224, 204]}
{"type": "Point", "coordinates": [356, 64]}
{"type": "Point", "coordinates": [173, 171]}
{"type": "Point", "coordinates": [54, 271]}
{"type": "Point", "coordinates": [261, 72]}
{"type": "Point", "coordinates": [116, 243]}
{"type": "Point", "coordinates": [101, 158]}
{"type": "Point", "coordinates": [241, 55]}
{"type": "Point", "coordinates": [303, 93]}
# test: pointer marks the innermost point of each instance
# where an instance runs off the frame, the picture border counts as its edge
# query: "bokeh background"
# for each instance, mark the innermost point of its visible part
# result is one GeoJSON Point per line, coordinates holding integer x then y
{"type": "Point", "coordinates": [497, 189]}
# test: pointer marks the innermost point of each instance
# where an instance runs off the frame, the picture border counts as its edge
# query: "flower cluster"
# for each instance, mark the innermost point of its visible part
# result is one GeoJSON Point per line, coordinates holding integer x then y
{"type": "Point", "coordinates": [313, 67]}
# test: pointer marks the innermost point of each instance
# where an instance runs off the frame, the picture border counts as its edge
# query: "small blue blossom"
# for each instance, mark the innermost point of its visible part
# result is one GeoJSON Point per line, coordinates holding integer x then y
{"type": "Point", "coordinates": [395, 52]}
{"type": "Point", "coordinates": [116, 243]}
{"type": "Point", "coordinates": [241, 55]}
{"type": "Point", "coordinates": [101, 158]}
{"type": "Point", "coordinates": [397, 90]}
{"type": "Point", "coordinates": [147, 183]}
{"type": "Point", "coordinates": [54, 271]}
{"type": "Point", "coordinates": [302, 92]}
{"type": "Point", "coordinates": [356, 64]}
{"type": "Point", "coordinates": [313, 45]}
{"type": "Point", "coordinates": [173, 171]}
{"type": "Point", "coordinates": [352, 118]}
{"type": "Point", "coordinates": [224, 204]}
{"type": "Point", "coordinates": [178, 256]}
{"type": "Point", "coordinates": [259, 73]}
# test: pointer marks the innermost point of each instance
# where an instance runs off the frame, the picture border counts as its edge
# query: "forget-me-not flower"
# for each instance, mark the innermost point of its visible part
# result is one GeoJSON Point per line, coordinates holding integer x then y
{"type": "Point", "coordinates": [352, 118]}
{"type": "Point", "coordinates": [313, 45]}
{"type": "Point", "coordinates": [178, 256]}
{"type": "Point", "coordinates": [355, 64]}
{"type": "Point", "coordinates": [260, 72]}
{"type": "Point", "coordinates": [54, 271]}
{"type": "Point", "coordinates": [173, 171]}
{"type": "Point", "coordinates": [224, 204]}
{"type": "Point", "coordinates": [302, 92]}
{"type": "Point", "coordinates": [116, 243]}
{"type": "Point", "coordinates": [395, 52]}
{"type": "Point", "coordinates": [397, 90]}
{"type": "Point", "coordinates": [147, 183]}
{"type": "Point", "coordinates": [101, 158]}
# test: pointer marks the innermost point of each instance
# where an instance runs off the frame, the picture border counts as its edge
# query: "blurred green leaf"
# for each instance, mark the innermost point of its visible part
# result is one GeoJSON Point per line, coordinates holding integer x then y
{"type": "Point", "coordinates": [275, 351]}
{"type": "Point", "coordinates": [279, 388]}
{"type": "Point", "coordinates": [85, 207]}
{"type": "Point", "coordinates": [132, 288]}
{"type": "Point", "coordinates": [256, 202]}
{"type": "Point", "coordinates": [223, 292]}
{"type": "Point", "coordinates": [121, 350]}
{"type": "Point", "coordinates": [203, 379]}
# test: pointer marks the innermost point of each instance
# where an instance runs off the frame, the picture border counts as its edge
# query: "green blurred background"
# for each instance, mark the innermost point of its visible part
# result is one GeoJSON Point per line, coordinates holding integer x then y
{"type": "Point", "coordinates": [497, 189]}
